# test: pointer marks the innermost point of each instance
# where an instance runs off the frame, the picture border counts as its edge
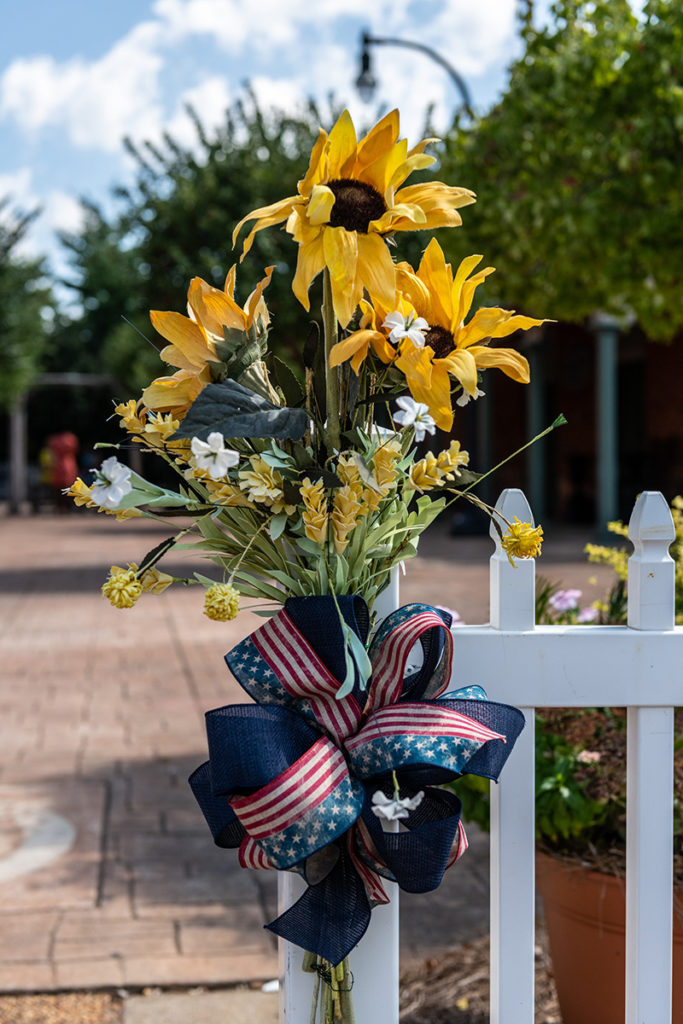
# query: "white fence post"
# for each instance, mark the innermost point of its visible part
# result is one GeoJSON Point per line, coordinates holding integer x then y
{"type": "Point", "coordinates": [649, 790]}
{"type": "Point", "coordinates": [512, 597]}
{"type": "Point", "coordinates": [374, 962]}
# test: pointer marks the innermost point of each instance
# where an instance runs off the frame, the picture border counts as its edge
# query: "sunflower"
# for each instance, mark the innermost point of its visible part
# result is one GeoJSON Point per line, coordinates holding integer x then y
{"type": "Point", "coordinates": [443, 346]}
{"type": "Point", "coordinates": [351, 199]}
{"type": "Point", "coordinates": [194, 338]}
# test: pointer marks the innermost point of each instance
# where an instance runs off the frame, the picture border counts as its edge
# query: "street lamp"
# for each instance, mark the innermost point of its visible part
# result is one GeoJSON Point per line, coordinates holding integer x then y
{"type": "Point", "coordinates": [366, 82]}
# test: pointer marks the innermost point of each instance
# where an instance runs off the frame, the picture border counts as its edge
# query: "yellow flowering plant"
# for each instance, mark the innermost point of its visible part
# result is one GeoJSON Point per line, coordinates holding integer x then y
{"type": "Point", "coordinates": [311, 486]}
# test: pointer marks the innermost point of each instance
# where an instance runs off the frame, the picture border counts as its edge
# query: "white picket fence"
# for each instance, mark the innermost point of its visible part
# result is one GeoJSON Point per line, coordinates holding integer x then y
{"type": "Point", "coordinates": [638, 666]}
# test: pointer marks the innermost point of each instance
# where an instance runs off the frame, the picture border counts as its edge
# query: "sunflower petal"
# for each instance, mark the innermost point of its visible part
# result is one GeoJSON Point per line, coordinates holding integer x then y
{"type": "Point", "coordinates": [316, 166]}
{"type": "Point", "coordinates": [464, 270]}
{"type": "Point", "coordinates": [340, 248]}
{"type": "Point", "coordinates": [171, 392]}
{"type": "Point", "coordinates": [511, 362]}
{"type": "Point", "coordinates": [255, 303]}
{"type": "Point", "coordinates": [379, 139]}
{"type": "Point", "coordinates": [516, 322]}
{"type": "Point", "coordinates": [264, 217]}
{"type": "Point", "coordinates": [437, 276]}
{"type": "Point", "coordinates": [342, 144]}
{"type": "Point", "coordinates": [310, 261]}
{"type": "Point", "coordinates": [320, 205]}
{"type": "Point", "coordinates": [385, 223]}
{"type": "Point", "coordinates": [462, 364]}
{"type": "Point", "coordinates": [469, 288]}
{"type": "Point", "coordinates": [230, 280]}
{"type": "Point", "coordinates": [376, 268]}
{"type": "Point", "coordinates": [184, 335]}
{"type": "Point", "coordinates": [416, 162]}
{"type": "Point", "coordinates": [356, 344]}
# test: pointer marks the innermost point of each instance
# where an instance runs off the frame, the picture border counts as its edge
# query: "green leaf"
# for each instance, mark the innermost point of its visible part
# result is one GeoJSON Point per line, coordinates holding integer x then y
{"type": "Point", "coordinates": [204, 580]}
{"type": "Point", "coordinates": [308, 546]}
{"type": "Point", "coordinates": [236, 411]}
{"type": "Point", "coordinates": [153, 556]}
{"type": "Point", "coordinates": [288, 383]}
{"type": "Point", "coordinates": [365, 473]}
{"type": "Point", "coordinates": [277, 525]}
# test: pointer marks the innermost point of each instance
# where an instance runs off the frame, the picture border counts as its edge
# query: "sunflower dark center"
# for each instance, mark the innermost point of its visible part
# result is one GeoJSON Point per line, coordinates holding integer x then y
{"type": "Point", "coordinates": [355, 204]}
{"type": "Point", "coordinates": [441, 340]}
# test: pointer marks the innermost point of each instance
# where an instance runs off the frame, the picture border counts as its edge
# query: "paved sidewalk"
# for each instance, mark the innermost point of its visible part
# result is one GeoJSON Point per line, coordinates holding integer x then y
{"type": "Point", "coordinates": [108, 876]}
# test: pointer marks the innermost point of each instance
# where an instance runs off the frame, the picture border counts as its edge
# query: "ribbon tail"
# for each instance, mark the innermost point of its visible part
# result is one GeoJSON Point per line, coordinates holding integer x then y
{"type": "Point", "coordinates": [331, 917]}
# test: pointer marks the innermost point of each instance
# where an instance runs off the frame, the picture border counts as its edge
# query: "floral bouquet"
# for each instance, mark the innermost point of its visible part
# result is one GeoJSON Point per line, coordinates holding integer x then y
{"type": "Point", "coordinates": [305, 492]}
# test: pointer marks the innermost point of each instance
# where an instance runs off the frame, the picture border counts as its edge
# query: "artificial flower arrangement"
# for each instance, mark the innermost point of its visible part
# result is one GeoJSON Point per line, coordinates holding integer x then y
{"type": "Point", "coordinates": [305, 494]}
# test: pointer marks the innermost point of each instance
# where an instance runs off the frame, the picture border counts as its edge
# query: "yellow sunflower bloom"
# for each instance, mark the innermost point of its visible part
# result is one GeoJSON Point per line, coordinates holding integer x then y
{"type": "Point", "coordinates": [452, 347]}
{"type": "Point", "coordinates": [349, 200]}
{"type": "Point", "coordinates": [425, 334]}
{"type": "Point", "coordinates": [193, 338]}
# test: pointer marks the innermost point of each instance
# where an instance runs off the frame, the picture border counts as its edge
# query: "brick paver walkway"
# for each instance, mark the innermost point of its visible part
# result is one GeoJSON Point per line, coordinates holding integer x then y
{"type": "Point", "coordinates": [108, 876]}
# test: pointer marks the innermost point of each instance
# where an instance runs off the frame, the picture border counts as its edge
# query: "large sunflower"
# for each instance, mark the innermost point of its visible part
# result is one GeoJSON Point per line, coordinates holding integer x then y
{"type": "Point", "coordinates": [193, 339]}
{"type": "Point", "coordinates": [444, 346]}
{"type": "Point", "coordinates": [348, 201]}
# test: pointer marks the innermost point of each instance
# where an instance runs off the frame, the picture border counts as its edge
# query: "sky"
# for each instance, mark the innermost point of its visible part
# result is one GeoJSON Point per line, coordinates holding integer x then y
{"type": "Point", "coordinates": [76, 76]}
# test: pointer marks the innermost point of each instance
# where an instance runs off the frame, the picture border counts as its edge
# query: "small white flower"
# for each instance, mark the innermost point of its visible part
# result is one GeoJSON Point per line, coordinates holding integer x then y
{"type": "Point", "coordinates": [396, 808]}
{"type": "Point", "coordinates": [213, 456]}
{"type": "Point", "coordinates": [112, 483]}
{"type": "Point", "coordinates": [465, 397]}
{"type": "Point", "coordinates": [414, 414]}
{"type": "Point", "coordinates": [411, 327]}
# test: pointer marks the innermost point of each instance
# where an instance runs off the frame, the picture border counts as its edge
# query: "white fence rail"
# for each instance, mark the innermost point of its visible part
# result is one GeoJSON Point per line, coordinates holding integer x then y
{"type": "Point", "coordinates": [639, 666]}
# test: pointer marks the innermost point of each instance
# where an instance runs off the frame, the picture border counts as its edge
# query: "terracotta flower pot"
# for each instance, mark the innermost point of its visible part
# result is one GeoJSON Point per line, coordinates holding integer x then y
{"type": "Point", "coordinates": [585, 916]}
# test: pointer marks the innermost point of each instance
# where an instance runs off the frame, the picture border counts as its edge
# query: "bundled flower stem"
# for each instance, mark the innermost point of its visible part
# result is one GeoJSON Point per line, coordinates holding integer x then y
{"type": "Point", "coordinates": [332, 987]}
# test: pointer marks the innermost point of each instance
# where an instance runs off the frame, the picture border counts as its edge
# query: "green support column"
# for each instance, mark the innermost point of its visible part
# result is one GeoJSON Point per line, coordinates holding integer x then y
{"type": "Point", "coordinates": [535, 423]}
{"type": "Point", "coordinates": [606, 330]}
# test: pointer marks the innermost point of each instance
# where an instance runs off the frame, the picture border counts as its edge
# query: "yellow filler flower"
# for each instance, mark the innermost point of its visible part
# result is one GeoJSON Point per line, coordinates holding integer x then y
{"type": "Point", "coordinates": [193, 339]}
{"type": "Point", "coordinates": [349, 201]}
{"type": "Point", "coordinates": [122, 587]}
{"type": "Point", "coordinates": [522, 540]}
{"type": "Point", "coordinates": [221, 602]}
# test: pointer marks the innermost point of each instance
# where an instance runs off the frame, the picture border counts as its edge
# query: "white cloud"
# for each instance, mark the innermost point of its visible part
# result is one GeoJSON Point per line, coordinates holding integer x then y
{"type": "Point", "coordinates": [96, 102]}
{"type": "Point", "coordinates": [210, 99]}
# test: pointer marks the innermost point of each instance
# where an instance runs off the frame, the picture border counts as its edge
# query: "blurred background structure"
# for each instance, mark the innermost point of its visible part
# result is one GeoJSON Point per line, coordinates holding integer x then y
{"type": "Point", "coordinates": [575, 153]}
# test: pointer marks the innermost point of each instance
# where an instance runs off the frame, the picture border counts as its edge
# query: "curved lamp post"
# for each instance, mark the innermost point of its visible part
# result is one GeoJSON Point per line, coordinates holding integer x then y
{"type": "Point", "coordinates": [366, 81]}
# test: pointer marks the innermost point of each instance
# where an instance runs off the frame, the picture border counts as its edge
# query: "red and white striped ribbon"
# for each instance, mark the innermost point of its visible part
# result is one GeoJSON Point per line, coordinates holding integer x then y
{"type": "Point", "coordinates": [294, 793]}
{"type": "Point", "coordinates": [304, 675]}
{"type": "Point", "coordinates": [390, 660]}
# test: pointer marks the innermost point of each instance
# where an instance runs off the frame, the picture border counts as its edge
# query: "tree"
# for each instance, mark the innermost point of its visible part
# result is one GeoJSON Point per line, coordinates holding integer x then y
{"type": "Point", "coordinates": [579, 167]}
{"type": "Point", "coordinates": [25, 302]}
{"type": "Point", "coordinates": [176, 223]}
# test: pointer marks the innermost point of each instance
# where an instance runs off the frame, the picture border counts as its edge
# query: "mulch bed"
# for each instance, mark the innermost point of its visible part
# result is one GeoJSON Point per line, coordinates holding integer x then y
{"type": "Point", "coordinates": [453, 988]}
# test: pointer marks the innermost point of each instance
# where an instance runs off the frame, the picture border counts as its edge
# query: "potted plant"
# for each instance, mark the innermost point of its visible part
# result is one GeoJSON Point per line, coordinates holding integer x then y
{"type": "Point", "coordinates": [581, 815]}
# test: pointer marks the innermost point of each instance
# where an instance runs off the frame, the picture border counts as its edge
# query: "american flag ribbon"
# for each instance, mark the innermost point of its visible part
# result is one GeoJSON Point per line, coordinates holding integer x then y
{"type": "Point", "coordinates": [337, 753]}
{"type": "Point", "coordinates": [305, 677]}
{"type": "Point", "coordinates": [391, 654]}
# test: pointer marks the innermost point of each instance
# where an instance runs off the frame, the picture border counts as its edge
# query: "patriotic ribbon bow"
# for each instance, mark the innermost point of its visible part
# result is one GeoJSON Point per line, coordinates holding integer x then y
{"type": "Point", "coordinates": [290, 779]}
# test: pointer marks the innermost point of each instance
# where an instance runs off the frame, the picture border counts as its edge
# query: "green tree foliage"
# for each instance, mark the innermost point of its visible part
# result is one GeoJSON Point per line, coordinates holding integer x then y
{"type": "Point", "coordinates": [579, 168]}
{"type": "Point", "coordinates": [24, 304]}
{"type": "Point", "coordinates": [176, 223]}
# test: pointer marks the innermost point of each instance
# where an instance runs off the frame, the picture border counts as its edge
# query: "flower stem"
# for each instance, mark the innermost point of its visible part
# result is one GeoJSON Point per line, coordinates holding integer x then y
{"type": "Point", "coordinates": [331, 373]}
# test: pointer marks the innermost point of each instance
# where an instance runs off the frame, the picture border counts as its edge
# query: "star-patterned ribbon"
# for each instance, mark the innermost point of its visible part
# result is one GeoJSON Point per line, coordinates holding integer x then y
{"type": "Point", "coordinates": [290, 779]}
